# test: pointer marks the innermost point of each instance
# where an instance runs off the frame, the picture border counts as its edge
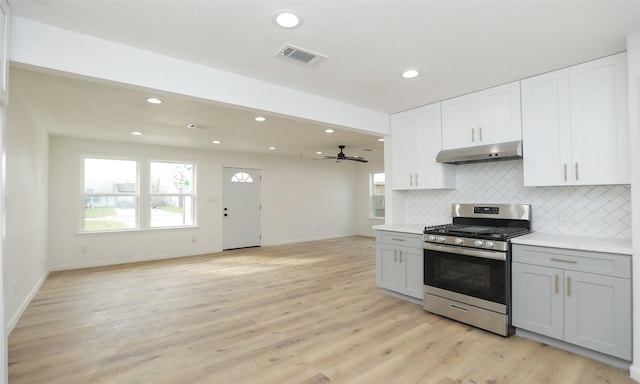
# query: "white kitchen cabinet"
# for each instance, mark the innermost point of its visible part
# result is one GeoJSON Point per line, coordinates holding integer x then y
{"type": "Point", "coordinates": [580, 297]}
{"type": "Point", "coordinates": [485, 117]}
{"type": "Point", "coordinates": [415, 141]}
{"type": "Point", "coordinates": [574, 125]}
{"type": "Point", "coordinates": [399, 263]}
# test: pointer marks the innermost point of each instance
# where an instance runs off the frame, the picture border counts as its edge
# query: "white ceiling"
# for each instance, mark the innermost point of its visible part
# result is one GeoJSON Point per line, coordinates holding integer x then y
{"type": "Point", "coordinates": [459, 47]}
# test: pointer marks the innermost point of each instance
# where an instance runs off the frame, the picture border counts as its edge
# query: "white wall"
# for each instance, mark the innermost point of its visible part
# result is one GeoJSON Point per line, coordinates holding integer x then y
{"type": "Point", "coordinates": [302, 200]}
{"type": "Point", "coordinates": [633, 57]}
{"type": "Point", "coordinates": [26, 209]}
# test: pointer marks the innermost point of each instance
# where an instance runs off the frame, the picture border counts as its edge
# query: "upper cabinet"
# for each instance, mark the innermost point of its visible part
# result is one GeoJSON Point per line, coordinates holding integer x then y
{"type": "Point", "coordinates": [485, 117]}
{"type": "Point", "coordinates": [574, 125]}
{"type": "Point", "coordinates": [4, 52]}
{"type": "Point", "coordinates": [415, 142]}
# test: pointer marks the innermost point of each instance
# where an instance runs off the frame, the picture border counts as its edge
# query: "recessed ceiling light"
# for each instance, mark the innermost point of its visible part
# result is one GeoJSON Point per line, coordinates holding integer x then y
{"type": "Point", "coordinates": [136, 133]}
{"type": "Point", "coordinates": [410, 74]}
{"type": "Point", "coordinates": [319, 153]}
{"type": "Point", "coordinates": [381, 139]}
{"type": "Point", "coordinates": [154, 100]}
{"type": "Point", "coordinates": [260, 118]}
{"type": "Point", "coordinates": [272, 148]}
{"type": "Point", "coordinates": [287, 19]}
{"type": "Point", "coordinates": [329, 130]}
{"type": "Point", "coordinates": [216, 141]}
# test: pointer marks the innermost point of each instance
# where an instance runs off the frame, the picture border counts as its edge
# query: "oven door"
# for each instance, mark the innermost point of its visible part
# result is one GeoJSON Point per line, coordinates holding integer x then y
{"type": "Point", "coordinates": [475, 277]}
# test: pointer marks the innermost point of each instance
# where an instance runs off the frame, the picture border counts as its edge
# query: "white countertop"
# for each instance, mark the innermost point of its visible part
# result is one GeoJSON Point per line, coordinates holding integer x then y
{"type": "Point", "coordinates": [597, 244]}
{"type": "Point", "coordinates": [416, 229]}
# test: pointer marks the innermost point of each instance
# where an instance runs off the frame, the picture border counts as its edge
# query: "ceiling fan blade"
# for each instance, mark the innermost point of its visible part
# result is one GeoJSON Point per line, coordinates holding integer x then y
{"type": "Point", "coordinates": [359, 159]}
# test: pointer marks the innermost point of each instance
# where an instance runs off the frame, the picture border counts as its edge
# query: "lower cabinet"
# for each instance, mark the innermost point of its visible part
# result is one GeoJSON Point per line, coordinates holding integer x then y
{"type": "Point", "coordinates": [399, 263]}
{"type": "Point", "coordinates": [580, 297]}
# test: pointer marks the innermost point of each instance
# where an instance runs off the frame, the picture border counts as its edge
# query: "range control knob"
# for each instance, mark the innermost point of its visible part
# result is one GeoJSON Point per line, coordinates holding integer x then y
{"type": "Point", "coordinates": [489, 244]}
{"type": "Point", "coordinates": [459, 241]}
{"type": "Point", "coordinates": [478, 243]}
{"type": "Point", "coordinates": [431, 238]}
{"type": "Point", "coordinates": [441, 239]}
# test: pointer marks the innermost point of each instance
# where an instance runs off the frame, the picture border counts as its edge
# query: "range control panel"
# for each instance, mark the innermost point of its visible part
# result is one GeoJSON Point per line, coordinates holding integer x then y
{"type": "Point", "coordinates": [487, 210]}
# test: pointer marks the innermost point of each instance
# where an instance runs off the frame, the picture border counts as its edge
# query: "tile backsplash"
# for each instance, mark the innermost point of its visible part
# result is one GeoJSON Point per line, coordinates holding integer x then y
{"type": "Point", "coordinates": [599, 210]}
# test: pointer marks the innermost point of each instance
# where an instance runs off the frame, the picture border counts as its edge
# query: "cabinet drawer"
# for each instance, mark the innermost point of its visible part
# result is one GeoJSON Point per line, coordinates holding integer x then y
{"type": "Point", "coordinates": [400, 238]}
{"type": "Point", "coordinates": [609, 264]}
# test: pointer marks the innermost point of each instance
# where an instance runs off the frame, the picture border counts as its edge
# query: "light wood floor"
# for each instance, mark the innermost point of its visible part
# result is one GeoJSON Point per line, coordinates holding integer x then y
{"type": "Point", "coordinates": [303, 313]}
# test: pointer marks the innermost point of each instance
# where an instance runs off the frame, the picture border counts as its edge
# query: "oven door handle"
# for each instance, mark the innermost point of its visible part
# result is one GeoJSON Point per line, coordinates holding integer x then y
{"type": "Point", "coordinates": [466, 251]}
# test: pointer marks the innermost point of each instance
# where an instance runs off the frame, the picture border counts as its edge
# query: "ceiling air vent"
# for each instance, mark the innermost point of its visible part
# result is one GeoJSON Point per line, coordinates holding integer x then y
{"type": "Point", "coordinates": [300, 55]}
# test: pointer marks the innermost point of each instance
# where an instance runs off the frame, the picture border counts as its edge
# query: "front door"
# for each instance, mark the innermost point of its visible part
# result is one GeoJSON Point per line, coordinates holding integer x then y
{"type": "Point", "coordinates": [241, 208]}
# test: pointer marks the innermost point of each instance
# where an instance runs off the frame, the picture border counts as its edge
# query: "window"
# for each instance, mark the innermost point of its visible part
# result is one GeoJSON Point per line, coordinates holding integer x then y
{"type": "Point", "coordinates": [241, 177]}
{"type": "Point", "coordinates": [377, 195]}
{"type": "Point", "coordinates": [110, 195]}
{"type": "Point", "coordinates": [171, 194]}
{"type": "Point", "coordinates": [113, 199]}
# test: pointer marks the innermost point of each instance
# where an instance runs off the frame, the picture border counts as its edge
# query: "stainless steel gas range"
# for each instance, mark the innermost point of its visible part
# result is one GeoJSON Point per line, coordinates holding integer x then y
{"type": "Point", "coordinates": [467, 264]}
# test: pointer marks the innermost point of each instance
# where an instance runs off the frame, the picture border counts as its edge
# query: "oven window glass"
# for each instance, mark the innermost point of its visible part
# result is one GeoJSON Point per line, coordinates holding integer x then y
{"type": "Point", "coordinates": [468, 275]}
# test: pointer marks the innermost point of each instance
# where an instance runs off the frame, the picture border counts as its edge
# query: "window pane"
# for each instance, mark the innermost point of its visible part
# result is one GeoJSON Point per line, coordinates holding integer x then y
{"type": "Point", "coordinates": [110, 194]}
{"type": "Point", "coordinates": [109, 176]}
{"type": "Point", "coordinates": [108, 213]}
{"type": "Point", "coordinates": [171, 177]}
{"type": "Point", "coordinates": [377, 194]}
{"type": "Point", "coordinates": [171, 211]}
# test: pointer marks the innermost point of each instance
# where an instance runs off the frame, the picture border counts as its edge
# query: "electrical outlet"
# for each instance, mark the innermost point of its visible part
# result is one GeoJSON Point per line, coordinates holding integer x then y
{"type": "Point", "coordinates": [194, 239]}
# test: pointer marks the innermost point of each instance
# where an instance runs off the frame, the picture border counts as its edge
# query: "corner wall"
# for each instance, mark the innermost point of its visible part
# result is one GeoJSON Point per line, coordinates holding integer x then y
{"type": "Point", "coordinates": [25, 248]}
{"type": "Point", "coordinates": [633, 57]}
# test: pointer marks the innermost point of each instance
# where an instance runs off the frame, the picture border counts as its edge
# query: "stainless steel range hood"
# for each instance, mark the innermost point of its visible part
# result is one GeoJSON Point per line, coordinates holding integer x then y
{"type": "Point", "coordinates": [492, 152]}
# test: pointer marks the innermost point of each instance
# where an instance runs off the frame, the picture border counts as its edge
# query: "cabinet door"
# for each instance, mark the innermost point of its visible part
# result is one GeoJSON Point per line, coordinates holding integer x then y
{"type": "Point", "coordinates": [537, 302]}
{"type": "Point", "coordinates": [427, 140]}
{"type": "Point", "coordinates": [499, 117]}
{"type": "Point", "coordinates": [411, 265]}
{"type": "Point", "coordinates": [598, 313]}
{"type": "Point", "coordinates": [401, 148]}
{"type": "Point", "coordinates": [600, 133]}
{"type": "Point", "coordinates": [387, 267]}
{"type": "Point", "coordinates": [459, 122]}
{"type": "Point", "coordinates": [546, 129]}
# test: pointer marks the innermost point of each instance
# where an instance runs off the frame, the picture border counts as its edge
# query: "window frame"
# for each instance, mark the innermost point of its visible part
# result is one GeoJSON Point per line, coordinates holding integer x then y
{"type": "Point", "coordinates": [84, 195]}
{"type": "Point", "coordinates": [374, 197]}
{"type": "Point", "coordinates": [142, 195]}
{"type": "Point", "coordinates": [191, 194]}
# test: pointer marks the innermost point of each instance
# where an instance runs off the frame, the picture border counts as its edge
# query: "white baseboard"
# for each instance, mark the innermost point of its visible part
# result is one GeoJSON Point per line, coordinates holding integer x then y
{"type": "Point", "coordinates": [25, 303]}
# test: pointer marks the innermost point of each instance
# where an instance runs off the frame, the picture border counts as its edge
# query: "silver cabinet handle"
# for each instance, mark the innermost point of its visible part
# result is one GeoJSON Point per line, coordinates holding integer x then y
{"type": "Point", "coordinates": [577, 173]}
{"type": "Point", "coordinates": [400, 257]}
{"type": "Point", "coordinates": [568, 286]}
{"type": "Point", "coordinates": [565, 171]}
{"type": "Point", "coordinates": [411, 180]}
{"type": "Point", "coordinates": [473, 135]}
{"type": "Point", "coordinates": [416, 179]}
{"type": "Point", "coordinates": [557, 284]}
{"type": "Point", "coordinates": [480, 133]}
{"type": "Point", "coordinates": [395, 255]}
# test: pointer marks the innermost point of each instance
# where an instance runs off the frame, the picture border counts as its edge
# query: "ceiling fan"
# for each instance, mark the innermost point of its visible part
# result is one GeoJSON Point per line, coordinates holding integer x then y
{"type": "Point", "coordinates": [341, 156]}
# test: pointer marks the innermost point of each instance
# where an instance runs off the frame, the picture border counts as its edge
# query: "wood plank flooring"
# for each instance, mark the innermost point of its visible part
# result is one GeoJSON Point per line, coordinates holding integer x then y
{"type": "Point", "coordinates": [305, 313]}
